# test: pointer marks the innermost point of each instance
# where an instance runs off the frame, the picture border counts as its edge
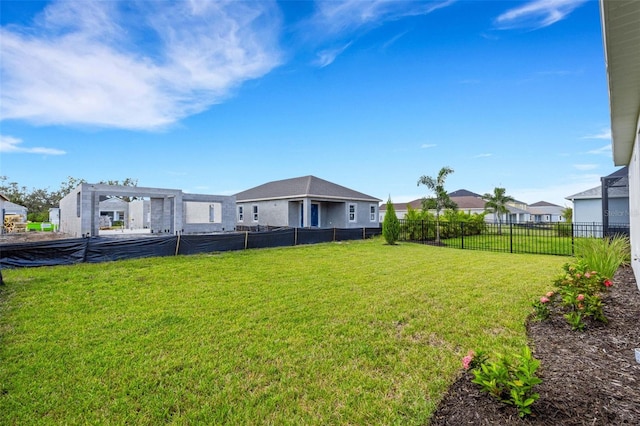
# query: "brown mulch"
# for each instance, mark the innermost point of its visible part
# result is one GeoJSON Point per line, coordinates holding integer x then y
{"type": "Point", "coordinates": [589, 377]}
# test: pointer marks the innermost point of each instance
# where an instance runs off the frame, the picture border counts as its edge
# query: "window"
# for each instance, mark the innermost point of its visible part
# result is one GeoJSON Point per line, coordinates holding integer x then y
{"type": "Point", "coordinates": [255, 213]}
{"type": "Point", "coordinates": [240, 214]}
{"type": "Point", "coordinates": [352, 212]}
{"type": "Point", "coordinates": [78, 205]}
{"type": "Point", "coordinates": [372, 212]}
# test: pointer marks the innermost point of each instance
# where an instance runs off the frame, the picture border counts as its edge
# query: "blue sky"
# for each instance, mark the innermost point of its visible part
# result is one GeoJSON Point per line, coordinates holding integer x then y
{"type": "Point", "coordinates": [218, 97]}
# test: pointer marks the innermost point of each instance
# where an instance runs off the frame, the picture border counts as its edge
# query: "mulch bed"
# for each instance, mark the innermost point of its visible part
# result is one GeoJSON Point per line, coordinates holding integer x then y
{"type": "Point", "coordinates": [589, 377]}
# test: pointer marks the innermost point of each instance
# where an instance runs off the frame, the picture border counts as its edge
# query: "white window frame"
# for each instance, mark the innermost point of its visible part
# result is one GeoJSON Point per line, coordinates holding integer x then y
{"type": "Point", "coordinates": [354, 213]}
{"type": "Point", "coordinates": [240, 213]}
{"type": "Point", "coordinates": [254, 211]}
{"type": "Point", "coordinates": [372, 212]}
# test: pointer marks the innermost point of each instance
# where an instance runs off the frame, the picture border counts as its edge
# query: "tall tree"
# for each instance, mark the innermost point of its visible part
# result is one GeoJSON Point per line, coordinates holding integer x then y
{"type": "Point", "coordinates": [496, 203]}
{"type": "Point", "coordinates": [441, 199]}
{"type": "Point", "coordinates": [390, 224]}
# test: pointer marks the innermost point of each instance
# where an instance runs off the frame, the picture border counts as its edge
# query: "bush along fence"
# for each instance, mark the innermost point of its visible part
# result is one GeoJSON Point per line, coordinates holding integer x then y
{"type": "Point", "coordinates": [533, 238]}
{"type": "Point", "coordinates": [103, 249]}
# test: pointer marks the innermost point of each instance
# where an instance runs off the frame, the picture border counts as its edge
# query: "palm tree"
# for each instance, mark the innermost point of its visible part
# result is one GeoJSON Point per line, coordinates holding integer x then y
{"type": "Point", "coordinates": [441, 199]}
{"type": "Point", "coordinates": [496, 203]}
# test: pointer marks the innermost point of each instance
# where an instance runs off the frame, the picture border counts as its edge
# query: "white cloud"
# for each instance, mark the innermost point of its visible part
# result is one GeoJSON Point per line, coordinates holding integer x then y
{"type": "Point", "coordinates": [333, 21]}
{"type": "Point", "coordinates": [86, 63]}
{"type": "Point", "coordinates": [428, 145]}
{"type": "Point", "coordinates": [537, 14]}
{"type": "Point", "coordinates": [9, 144]}
{"type": "Point", "coordinates": [604, 150]}
{"type": "Point", "coordinates": [348, 15]}
{"type": "Point", "coordinates": [604, 134]}
{"type": "Point", "coordinates": [585, 167]}
{"type": "Point", "coordinates": [483, 155]}
{"type": "Point", "coordinates": [327, 56]}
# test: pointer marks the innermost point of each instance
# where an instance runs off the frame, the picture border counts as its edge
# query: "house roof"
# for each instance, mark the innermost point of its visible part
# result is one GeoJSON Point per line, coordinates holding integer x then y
{"type": "Point", "coordinates": [618, 189]}
{"type": "Point", "coordinates": [463, 202]}
{"type": "Point", "coordinates": [415, 204]}
{"type": "Point", "coordinates": [468, 202]}
{"type": "Point", "coordinates": [302, 187]}
{"type": "Point", "coordinates": [596, 193]}
{"type": "Point", "coordinates": [3, 197]}
{"type": "Point", "coordinates": [464, 193]}
{"type": "Point", "coordinates": [10, 207]}
{"type": "Point", "coordinates": [621, 39]}
{"type": "Point", "coordinates": [543, 204]}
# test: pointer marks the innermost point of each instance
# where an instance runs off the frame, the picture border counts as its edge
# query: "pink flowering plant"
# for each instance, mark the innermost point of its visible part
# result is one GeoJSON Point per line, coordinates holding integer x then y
{"type": "Point", "coordinates": [473, 360]}
{"type": "Point", "coordinates": [578, 296]}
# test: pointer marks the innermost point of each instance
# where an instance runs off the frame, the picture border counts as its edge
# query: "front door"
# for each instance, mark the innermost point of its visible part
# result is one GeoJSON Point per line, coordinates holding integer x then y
{"type": "Point", "coordinates": [315, 214]}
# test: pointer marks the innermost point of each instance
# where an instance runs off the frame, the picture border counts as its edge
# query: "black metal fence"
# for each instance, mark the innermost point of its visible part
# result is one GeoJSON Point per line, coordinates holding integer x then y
{"type": "Point", "coordinates": [102, 249]}
{"type": "Point", "coordinates": [535, 238]}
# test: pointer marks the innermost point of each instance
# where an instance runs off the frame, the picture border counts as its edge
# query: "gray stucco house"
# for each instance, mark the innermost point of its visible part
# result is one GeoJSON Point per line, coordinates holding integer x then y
{"type": "Point", "coordinates": [588, 205]}
{"type": "Point", "coordinates": [305, 202]}
{"type": "Point", "coordinates": [168, 211]}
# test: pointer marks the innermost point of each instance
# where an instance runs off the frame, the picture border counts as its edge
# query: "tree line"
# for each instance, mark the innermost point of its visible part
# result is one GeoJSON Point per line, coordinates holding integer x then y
{"type": "Point", "coordinates": [38, 201]}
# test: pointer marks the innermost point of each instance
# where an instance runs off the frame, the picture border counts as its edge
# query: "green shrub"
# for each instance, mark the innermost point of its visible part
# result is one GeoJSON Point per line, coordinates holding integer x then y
{"type": "Point", "coordinates": [510, 380]}
{"type": "Point", "coordinates": [391, 224]}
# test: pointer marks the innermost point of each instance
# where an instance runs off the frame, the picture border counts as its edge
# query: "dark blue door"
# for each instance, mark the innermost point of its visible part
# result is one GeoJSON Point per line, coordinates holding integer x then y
{"type": "Point", "coordinates": [314, 214]}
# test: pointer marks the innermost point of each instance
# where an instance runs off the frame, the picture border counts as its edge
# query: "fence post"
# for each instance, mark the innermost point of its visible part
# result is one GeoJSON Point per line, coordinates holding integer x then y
{"type": "Point", "coordinates": [511, 237]}
{"type": "Point", "coordinates": [246, 239]}
{"type": "Point", "coordinates": [295, 236]}
{"type": "Point", "coordinates": [572, 241]}
{"type": "Point", "coordinates": [462, 235]}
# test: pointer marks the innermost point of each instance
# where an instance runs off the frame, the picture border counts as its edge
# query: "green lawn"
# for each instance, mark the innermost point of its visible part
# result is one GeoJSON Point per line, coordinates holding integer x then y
{"type": "Point", "coordinates": [338, 333]}
{"type": "Point", "coordinates": [516, 242]}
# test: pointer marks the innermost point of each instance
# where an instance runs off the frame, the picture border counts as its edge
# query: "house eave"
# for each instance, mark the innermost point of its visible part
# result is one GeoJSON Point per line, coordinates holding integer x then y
{"type": "Point", "coordinates": [313, 196]}
{"type": "Point", "coordinates": [621, 38]}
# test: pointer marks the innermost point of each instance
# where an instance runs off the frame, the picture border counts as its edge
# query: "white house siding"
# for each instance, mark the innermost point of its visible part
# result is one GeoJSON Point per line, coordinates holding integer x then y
{"type": "Point", "coordinates": [587, 211]}
{"type": "Point", "coordinates": [634, 208]}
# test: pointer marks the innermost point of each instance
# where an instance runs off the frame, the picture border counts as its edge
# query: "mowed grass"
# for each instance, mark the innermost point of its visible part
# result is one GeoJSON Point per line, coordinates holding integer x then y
{"type": "Point", "coordinates": [338, 333]}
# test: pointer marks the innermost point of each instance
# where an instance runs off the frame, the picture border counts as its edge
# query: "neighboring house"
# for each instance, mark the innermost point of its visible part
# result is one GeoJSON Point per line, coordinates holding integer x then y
{"type": "Point", "coordinates": [468, 202]}
{"type": "Point", "coordinates": [305, 202]}
{"type": "Point", "coordinates": [401, 209]}
{"type": "Point", "coordinates": [113, 210]}
{"type": "Point", "coordinates": [588, 205]}
{"type": "Point", "coordinates": [545, 212]}
{"type": "Point", "coordinates": [621, 36]}
{"type": "Point", "coordinates": [170, 211]}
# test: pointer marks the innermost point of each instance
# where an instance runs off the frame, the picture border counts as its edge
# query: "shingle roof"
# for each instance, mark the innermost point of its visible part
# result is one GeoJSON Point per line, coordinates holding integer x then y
{"type": "Point", "coordinates": [618, 189]}
{"type": "Point", "coordinates": [464, 193]}
{"type": "Point", "coordinates": [415, 204]}
{"type": "Point", "coordinates": [468, 202]}
{"type": "Point", "coordinates": [302, 187]}
{"type": "Point", "coordinates": [594, 193]}
{"type": "Point", "coordinates": [543, 204]}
